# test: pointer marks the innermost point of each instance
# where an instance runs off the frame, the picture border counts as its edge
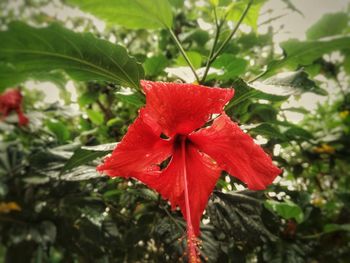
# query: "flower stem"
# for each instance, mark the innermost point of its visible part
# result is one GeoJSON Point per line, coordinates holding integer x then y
{"type": "Point", "coordinates": [258, 76]}
{"type": "Point", "coordinates": [191, 237]}
{"type": "Point", "coordinates": [178, 44]}
{"type": "Point", "coordinates": [224, 44]}
{"type": "Point", "coordinates": [217, 34]}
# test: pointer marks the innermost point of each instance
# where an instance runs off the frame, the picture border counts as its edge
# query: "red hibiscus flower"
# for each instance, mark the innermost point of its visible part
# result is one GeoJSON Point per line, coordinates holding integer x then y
{"type": "Point", "coordinates": [171, 126]}
{"type": "Point", "coordinates": [11, 100]}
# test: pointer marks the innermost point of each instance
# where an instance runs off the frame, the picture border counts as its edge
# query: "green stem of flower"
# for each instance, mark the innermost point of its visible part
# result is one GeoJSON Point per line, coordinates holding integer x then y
{"type": "Point", "coordinates": [258, 76]}
{"type": "Point", "coordinates": [224, 44]}
{"type": "Point", "coordinates": [217, 34]}
{"type": "Point", "coordinates": [188, 61]}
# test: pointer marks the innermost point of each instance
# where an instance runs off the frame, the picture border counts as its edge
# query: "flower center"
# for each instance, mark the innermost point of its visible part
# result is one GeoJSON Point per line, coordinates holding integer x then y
{"type": "Point", "coordinates": [179, 140]}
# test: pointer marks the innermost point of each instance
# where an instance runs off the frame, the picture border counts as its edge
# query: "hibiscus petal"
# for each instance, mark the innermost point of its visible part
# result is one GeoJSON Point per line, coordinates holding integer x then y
{"type": "Point", "coordinates": [11, 99]}
{"type": "Point", "coordinates": [182, 108]}
{"type": "Point", "coordinates": [202, 174]}
{"type": "Point", "coordinates": [22, 119]}
{"type": "Point", "coordinates": [140, 151]}
{"type": "Point", "coordinates": [236, 153]}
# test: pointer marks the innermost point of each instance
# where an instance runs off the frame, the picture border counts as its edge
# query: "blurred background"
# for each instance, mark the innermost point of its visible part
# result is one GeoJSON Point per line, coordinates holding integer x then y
{"type": "Point", "coordinates": [289, 62]}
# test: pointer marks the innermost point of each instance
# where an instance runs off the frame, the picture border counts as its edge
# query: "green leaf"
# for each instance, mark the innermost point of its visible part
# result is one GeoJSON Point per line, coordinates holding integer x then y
{"type": "Point", "coordinates": [199, 36]}
{"type": "Point", "coordinates": [102, 147]}
{"type": "Point", "coordinates": [86, 154]}
{"type": "Point", "coordinates": [130, 97]}
{"type": "Point", "coordinates": [96, 117]}
{"type": "Point", "coordinates": [244, 92]}
{"type": "Point", "coordinates": [59, 129]}
{"type": "Point", "coordinates": [10, 76]}
{"type": "Point", "coordinates": [194, 57]}
{"type": "Point", "coordinates": [177, 3]}
{"type": "Point", "coordinates": [329, 228]}
{"type": "Point", "coordinates": [297, 81]}
{"type": "Point", "coordinates": [135, 14]}
{"type": "Point", "coordinates": [80, 173]}
{"type": "Point", "coordinates": [115, 122]}
{"type": "Point", "coordinates": [155, 65]}
{"type": "Point", "coordinates": [238, 215]}
{"type": "Point", "coordinates": [328, 25]}
{"type": "Point", "coordinates": [236, 9]}
{"type": "Point", "coordinates": [300, 110]}
{"type": "Point", "coordinates": [231, 65]}
{"type": "Point", "coordinates": [81, 55]}
{"type": "Point", "coordinates": [88, 97]}
{"type": "Point", "coordinates": [266, 129]}
{"type": "Point", "coordinates": [214, 2]}
{"type": "Point", "coordinates": [265, 112]}
{"type": "Point", "coordinates": [286, 209]}
{"type": "Point", "coordinates": [298, 133]}
{"type": "Point", "coordinates": [303, 53]}
{"type": "Point", "coordinates": [144, 193]}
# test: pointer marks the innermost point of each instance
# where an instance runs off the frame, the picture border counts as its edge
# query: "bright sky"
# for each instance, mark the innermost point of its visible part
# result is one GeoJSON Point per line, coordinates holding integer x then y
{"type": "Point", "coordinates": [295, 25]}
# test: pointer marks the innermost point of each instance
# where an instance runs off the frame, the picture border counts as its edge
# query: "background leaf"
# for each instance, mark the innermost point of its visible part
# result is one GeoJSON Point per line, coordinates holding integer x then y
{"type": "Point", "coordinates": [59, 129]}
{"type": "Point", "coordinates": [296, 82]}
{"type": "Point", "coordinates": [86, 154]}
{"type": "Point", "coordinates": [148, 14]}
{"type": "Point", "coordinates": [155, 65]}
{"type": "Point", "coordinates": [231, 65]}
{"type": "Point", "coordinates": [286, 209]}
{"type": "Point", "coordinates": [236, 9]}
{"type": "Point", "coordinates": [329, 25]}
{"type": "Point", "coordinates": [302, 53]}
{"type": "Point", "coordinates": [135, 98]}
{"type": "Point", "coordinates": [84, 57]}
{"type": "Point", "coordinates": [95, 116]}
{"type": "Point", "coordinates": [238, 214]}
{"type": "Point", "coordinates": [194, 57]}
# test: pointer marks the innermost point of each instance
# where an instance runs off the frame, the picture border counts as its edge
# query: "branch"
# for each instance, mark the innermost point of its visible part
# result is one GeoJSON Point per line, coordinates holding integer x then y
{"type": "Point", "coordinates": [258, 76]}
{"type": "Point", "coordinates": [178, 44]}
{"type": "Point", "coordinates": [107, 112]}
{"type": "Point", "coordinates": [217, 33]}
{"type": "Point", "coordinates": [224, 44]}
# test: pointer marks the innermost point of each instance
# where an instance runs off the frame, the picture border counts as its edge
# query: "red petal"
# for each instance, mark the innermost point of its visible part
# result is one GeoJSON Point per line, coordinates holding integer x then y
{"type": "Point", "coordinates": [11, 99]}
{"type": "Point", "coordinates": [182, 108]}
{"type": "Point", "coordinates": [236, 153]}
{"type": "Point", "coordinates": [22, 119]}
{"type": "Point", "coordinates": [202, 175]}
{"type": "Point", "coordinates": [140, 151]}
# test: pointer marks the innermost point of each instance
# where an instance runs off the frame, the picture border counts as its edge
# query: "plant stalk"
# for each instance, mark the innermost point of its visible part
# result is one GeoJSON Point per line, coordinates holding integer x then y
{"type": "Point", "coordinates": [178, 44]}
{"type": "Point", "coordinates": [224, 44]}
{"type": "Point", "coordinates": [217, 34]}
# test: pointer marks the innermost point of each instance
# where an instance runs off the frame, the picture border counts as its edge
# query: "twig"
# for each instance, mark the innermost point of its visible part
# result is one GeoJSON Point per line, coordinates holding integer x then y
{"type": "Point", "coordinates": [171, 217]}
{"type": "Point", "coordinates": [223, 45]}
{"type": "Point", "coordinates": [258, 76]}
{"type": "Point", "coordinates": [178, 44]}
{"type": "Point", "coordinates": [108, 114]}
{"type": "Point", "coordinates": [217, 33]}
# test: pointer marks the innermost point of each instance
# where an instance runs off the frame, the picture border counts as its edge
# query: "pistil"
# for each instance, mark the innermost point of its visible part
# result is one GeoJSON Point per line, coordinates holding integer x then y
{"type": "Point", "coordinates": [192, 248]}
